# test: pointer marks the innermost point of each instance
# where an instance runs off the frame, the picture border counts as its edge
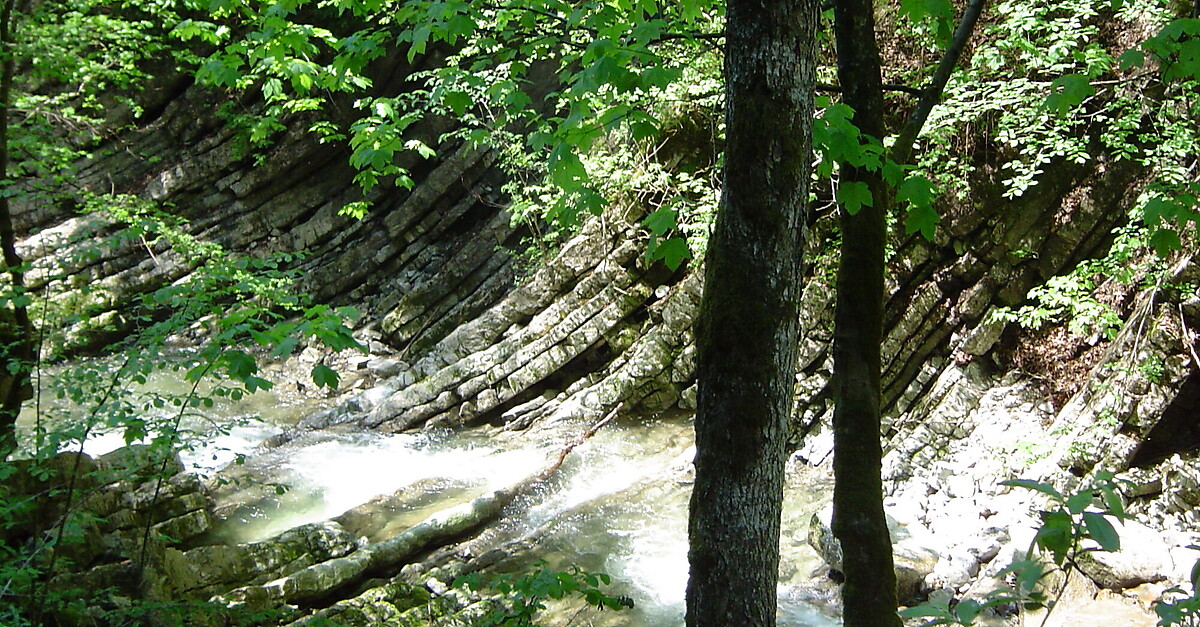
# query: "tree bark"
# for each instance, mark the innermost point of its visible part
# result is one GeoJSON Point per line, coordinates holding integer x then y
{"type": "Point", "coordinates": [747, 323]}
{"type": "Point", "coordinates": [16, 330]}
{"type": "Point", "coordinates": [869, 592]}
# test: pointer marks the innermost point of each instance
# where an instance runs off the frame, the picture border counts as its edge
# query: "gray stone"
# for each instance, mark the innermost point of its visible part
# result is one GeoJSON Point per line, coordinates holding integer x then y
{"type": "Point", "coordinates": [1143, 558]}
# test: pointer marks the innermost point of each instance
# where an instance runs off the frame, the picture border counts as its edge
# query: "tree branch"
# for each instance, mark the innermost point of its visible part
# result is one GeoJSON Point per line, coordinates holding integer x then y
{"type": "Point", "coordinates": [932, 94]}
{"type": "Point", "coordinates": [916, 91]}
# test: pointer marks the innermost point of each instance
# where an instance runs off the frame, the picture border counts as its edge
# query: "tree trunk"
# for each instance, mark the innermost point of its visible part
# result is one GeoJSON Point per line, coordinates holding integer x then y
{"type": "Point", "coordinates": [16, 331]}
{"type": "Point", "coordinates": [747, 325]}
{"type": "Point", "coordinates": [869, 591]}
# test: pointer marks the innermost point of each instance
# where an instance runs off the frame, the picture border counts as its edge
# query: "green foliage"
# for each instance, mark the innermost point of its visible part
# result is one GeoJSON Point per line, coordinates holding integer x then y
{"type": "Point", "coordinates": [1183, 608]}
{"type": "Point", "coordinates": [609, 57]}
{"type": "Point", "coordinates": [208, 330]}
{"type": "Point", "coordinates": [80, 64]}
{"type": "Point", "coordinates": [962, 613]}
{"type": "Point", "coordinates": [1043, 87]}
{"type": "Point", "coordinates": [526, 593]}
{"type": "Point", "coordinates": [1071, 297]}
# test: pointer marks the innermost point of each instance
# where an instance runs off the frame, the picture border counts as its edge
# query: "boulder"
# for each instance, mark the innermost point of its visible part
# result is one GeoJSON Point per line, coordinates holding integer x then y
{"type": "Point", "coordinates": [1144, 558]}
{"type": "Point", "coordinates": [204, 571]}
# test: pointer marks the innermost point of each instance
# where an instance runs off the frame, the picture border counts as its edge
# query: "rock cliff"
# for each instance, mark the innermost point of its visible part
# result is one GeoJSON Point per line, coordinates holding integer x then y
{"type": "Point", "coordinates": [462, 335]}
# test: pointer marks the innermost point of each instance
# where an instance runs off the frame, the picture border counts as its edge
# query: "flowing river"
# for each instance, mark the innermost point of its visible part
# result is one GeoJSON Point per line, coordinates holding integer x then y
{"type": "Point", "coordinates": [618, 504]}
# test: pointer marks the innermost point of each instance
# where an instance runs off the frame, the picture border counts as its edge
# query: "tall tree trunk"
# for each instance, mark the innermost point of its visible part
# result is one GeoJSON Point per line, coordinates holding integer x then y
{"type": "Point", "coordinates": [869, 591]}
{"type": "Point", "coordinates": [747, 324]}
{"type": "Point", "coordinates": [16, 331]}
{"type": "Point", "coordinates": [859, 523]}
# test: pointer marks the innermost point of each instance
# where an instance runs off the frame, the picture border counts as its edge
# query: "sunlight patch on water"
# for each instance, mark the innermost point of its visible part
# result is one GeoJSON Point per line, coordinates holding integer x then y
{"type": "Point", "coordinates": [328, 478]}
{"type": "Point", "coordinates": [347, 474]}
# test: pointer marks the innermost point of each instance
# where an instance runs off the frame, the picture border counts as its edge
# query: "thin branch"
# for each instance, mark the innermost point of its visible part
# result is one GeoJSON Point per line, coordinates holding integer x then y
{"type": "Point", "coordinates": [916, 91]}
{"type": "Point", "coordinates": [902, 149]}
{"type": "Point", "coordinates": [572, 444]}
{"type": "Point", "coordinates": [701, 36]}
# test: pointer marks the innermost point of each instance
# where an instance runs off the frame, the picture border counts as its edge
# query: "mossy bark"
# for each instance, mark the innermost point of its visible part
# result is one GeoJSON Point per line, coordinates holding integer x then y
{"type": "Point", "coordinates": [747, 325]}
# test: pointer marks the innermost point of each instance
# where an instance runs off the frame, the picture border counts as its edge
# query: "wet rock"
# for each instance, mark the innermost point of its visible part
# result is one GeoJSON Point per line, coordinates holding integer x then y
{"type": "Point", "coordinates": [384, 516]}
{"type": "Point", "coordinates": [204, 571]}
{"type": "Point", "coordinates": [141, 462]}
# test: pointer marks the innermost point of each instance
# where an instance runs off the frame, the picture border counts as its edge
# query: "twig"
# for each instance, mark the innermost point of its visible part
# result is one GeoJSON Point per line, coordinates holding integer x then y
{"type": "Point", "coordinates": [162, 470]}
{"type": "Point", "coordinates": [571, 445]}
{"type": "Point", "coordinates": [68, 502]}
{"type": "Point", "coordinates": [916, 91]}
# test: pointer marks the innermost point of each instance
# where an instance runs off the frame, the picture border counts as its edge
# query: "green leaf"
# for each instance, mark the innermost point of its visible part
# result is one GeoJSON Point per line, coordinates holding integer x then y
{"type": "Point", "coordinates": [1030, 484]}
{"type": "Point", "coordinates": [253, 384]}
{"type": "Point", "coordinates": [662, 221]}
{"type": "Point", "coordinates": [643, 129]}
{"type": "Point", "coordinates": [893, 173]}
{"type": "Point", "coordinates": [1131, 59]}
{"type": "Point", "coordinates": [690, 10]}
{"type": "Point", "coordinates": [419, 38]}
{"type": "Point", "coordinates": [285, 347]}
{"type": "Point", "coordinates": [1169, 613]}
{"type": "Point", "coordinates": [566, 170]}
{"type": "Point", "coordinates": [1068, 92]}
{"type": "Point", "coordinates": [1079, 501]}
{"type": "Point", "coordinates": [458, 101]}
{"type": "Point", "coordinates": [1165, 241]}
{"type": "Point", "coordinates": [1195, 576]}
{"type": "Point", "coordinates": [1102, 531]}
{"type": "Point", "coordinates": [1027, 574]}
{"type": "Point", "coordinates": [940, 12]}
{"type": "Point", "coordinates": [1112, 501]}
{"type": "Point", "coordinates": [239, 364]}
{"type": "Point", "coordinates": [671, 251]}
{"type": "Point", "coordinates": [1056, 534]}
{"type": "Point", "coordinates": [854, 195]}
{"type": "Point", "coordinates": [918, 191]}
{"type": "Point", "coordinates": [324, 376]}
{"type": "Point", "coordinates": [967, 611]}
{"type": "Point", "coordinates": [420, 148]}
{"type": "Point", "coordinates": [939, 613]}
{"type": "Point", "coordinates": [921, 218]}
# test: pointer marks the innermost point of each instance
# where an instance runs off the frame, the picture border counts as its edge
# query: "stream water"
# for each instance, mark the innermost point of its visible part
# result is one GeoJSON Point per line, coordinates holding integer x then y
{"type": "Point", "coordinates": [618, 504]}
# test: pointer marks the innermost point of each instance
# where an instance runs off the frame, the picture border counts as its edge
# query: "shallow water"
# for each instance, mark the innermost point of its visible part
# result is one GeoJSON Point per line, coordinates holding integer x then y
{"type": "Point", "coordinates": [617, 505]}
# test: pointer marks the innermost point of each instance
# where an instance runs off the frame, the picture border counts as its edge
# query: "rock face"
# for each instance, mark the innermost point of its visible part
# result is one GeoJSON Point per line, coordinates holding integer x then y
{"type": "Point", "coordinates": [105, 516]}
{"type": "Point", "coordinates": [461, 339]}
{"type": "Point", "coordinates": [201, 572]}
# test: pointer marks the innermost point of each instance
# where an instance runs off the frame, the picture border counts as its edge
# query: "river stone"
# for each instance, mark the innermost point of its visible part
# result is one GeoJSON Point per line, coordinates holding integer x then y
{"type": "Point", "coordinates": [1080, 604]}
{"type": "Point", "coordinates": [1143, 558]}
{"type": "Point", "coordinates": [186, 527]}
{"type": "Point", "coordinates": [206, 570]}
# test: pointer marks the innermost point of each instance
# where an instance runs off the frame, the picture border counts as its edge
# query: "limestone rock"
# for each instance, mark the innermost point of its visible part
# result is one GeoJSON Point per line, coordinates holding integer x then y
{"type": "Point", "coordinates": [1143, 558]}
{"type": "Point", "coordinates": [206, 570]}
